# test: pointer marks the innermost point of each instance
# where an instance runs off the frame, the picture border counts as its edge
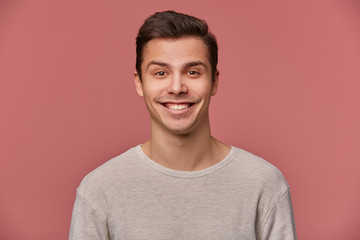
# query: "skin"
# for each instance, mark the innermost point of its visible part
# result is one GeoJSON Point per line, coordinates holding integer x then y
{"type": "Point", "coordinates": [178, 72]}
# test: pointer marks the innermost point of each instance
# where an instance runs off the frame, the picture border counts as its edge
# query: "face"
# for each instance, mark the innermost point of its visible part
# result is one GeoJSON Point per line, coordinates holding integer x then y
{"type": "Point", "coordinates": [177, 84]}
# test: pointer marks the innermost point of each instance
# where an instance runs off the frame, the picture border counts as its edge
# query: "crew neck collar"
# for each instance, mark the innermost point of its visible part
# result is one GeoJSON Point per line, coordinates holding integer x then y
{"type": "Point", "coordinates": [186, 174]}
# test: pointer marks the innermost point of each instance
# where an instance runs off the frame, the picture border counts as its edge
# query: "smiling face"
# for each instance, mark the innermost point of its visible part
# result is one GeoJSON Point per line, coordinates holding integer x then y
{"type": "Point", "coordinates": [176, 84]}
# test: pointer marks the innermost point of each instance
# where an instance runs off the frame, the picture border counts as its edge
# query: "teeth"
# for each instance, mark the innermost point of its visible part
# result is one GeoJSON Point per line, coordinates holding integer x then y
{"type": "Point", "coordinates": [177, 107]}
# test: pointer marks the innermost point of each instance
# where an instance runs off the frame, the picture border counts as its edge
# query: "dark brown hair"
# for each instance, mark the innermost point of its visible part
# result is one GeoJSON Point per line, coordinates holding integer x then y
{"type": "Point", "coordinates": [171, 24]}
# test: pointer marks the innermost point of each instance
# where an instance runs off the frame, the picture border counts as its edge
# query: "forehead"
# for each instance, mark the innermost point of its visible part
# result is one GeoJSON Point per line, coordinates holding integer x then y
{"type": "Point", "coordinates": [176, 51]}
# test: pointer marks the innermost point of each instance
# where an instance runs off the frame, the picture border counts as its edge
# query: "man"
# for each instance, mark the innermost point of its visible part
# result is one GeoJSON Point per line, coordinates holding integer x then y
{"type": "Point", "coordinates": [182, 183]}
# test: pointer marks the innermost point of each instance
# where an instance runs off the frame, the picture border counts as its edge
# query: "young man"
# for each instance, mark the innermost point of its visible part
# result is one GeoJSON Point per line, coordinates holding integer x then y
{"type": "Point", "coordinates": [182, 183]}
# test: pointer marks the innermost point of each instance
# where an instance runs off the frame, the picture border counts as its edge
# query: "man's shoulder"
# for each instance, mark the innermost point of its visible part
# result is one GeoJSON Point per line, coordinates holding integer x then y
{"type": "Point", "coordinates": [107, 173]}
{"type": "Point", "coordinates": [257, 170]}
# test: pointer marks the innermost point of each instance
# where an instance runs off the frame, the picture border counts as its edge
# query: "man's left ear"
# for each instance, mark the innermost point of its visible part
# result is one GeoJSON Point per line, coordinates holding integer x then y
{"type": "Point", "coordinates": [215, 83]}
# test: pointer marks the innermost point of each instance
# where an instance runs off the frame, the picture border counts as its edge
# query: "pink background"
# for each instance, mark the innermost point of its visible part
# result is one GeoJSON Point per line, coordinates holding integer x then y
{"type": "Point", "coordinates": [288, 92]}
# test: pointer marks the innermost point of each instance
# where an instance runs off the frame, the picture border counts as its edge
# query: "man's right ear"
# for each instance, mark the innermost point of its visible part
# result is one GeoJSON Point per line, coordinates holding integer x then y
{"type": "Point", "coordinates": [138, 84]}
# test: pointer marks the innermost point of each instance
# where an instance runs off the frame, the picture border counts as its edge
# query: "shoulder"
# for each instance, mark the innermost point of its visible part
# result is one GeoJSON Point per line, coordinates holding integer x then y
{"type": "Point", "coordinates": [260, 181]}
{"type": "Point", "coordinates": [258, 172]}
{"type": "Point", "coordinates": [103, 177]}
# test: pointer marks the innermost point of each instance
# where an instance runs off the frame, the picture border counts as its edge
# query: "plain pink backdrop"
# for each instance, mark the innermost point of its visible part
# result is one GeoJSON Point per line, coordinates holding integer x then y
{"type": "Point", "coordinates": [289, 83]}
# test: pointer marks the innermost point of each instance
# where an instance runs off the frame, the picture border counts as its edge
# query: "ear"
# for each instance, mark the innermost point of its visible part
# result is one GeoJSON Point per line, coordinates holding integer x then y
{"type": "Point", "coordinates": [138, 84]}
{"type": "Point", "coordinates": [215, 83]}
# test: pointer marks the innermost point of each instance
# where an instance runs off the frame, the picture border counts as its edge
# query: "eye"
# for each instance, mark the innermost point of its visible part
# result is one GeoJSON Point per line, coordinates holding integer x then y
{"type": "Point", "coordinates": [193, 73]}
{"type": "Point", "coordinates": [160, 73]}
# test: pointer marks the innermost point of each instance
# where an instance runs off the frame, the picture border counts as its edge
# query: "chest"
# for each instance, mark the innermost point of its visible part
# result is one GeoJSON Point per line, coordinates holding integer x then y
{"type": "Point", "coordinates": [184, 211]}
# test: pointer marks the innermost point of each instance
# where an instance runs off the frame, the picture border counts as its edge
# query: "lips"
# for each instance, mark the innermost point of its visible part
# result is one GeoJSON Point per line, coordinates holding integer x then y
{"type": "Point", "coordinates": [176, 106]}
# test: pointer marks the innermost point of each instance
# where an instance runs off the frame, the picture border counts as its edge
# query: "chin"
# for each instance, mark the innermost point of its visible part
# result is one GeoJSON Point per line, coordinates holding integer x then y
{"type": "Point", "coordinates": [180, 130]}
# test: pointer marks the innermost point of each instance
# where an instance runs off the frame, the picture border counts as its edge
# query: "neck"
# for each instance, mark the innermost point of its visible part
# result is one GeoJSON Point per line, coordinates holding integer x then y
{"type": "Point", "coordinates": [185, 152]}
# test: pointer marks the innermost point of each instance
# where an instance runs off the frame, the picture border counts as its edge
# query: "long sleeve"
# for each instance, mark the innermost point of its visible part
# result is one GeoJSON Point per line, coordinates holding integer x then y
{"type": "Point", "coordinates": [86, 223]}
{"type": "Point", "coordinates": [280, 224]}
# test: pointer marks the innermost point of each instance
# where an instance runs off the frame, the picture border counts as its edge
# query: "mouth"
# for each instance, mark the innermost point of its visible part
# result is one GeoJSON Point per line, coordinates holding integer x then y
{"type": "Point", "coordinates": [177, 106]}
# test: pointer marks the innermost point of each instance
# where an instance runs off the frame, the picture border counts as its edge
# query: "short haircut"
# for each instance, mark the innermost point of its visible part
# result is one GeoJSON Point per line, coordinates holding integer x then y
{"type": "Point", "coordinates": [171, 24]}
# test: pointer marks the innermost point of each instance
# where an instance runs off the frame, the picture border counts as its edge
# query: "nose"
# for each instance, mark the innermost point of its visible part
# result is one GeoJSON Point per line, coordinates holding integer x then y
{"type": "Point", "coordinates": [177, 85]}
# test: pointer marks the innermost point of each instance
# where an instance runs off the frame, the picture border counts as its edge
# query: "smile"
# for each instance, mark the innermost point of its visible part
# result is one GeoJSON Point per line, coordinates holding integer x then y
{"type": "Point", "coordinates": [178, 106]}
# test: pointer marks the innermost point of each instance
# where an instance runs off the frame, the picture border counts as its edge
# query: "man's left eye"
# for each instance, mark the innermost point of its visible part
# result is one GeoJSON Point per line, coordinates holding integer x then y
{"type": "Point", "coordinates": [193, 73]}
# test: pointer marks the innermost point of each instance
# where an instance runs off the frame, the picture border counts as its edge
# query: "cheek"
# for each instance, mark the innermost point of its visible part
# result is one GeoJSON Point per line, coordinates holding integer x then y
{"type": "Point", "coordinates": [152, 91]}
{"type": "Point", "coordinates": [201, 89]}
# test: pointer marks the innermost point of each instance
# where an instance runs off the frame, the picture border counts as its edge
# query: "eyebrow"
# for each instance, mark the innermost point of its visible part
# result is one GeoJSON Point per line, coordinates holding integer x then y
{"type": "Point", "coordinates": [195, 63]}
{"type": "Point", "coordinates": [162, 64]}
{"type": "Point", "coordinates": [186, 65]}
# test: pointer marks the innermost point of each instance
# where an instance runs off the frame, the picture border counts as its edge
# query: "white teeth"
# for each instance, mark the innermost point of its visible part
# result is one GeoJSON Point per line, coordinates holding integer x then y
{"type": "Point", "coordinates": [177, 107]}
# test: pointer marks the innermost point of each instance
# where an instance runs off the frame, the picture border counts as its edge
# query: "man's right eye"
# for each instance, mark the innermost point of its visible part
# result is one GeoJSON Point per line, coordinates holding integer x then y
{"type": "Point", "coordinates": [160, 73]}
